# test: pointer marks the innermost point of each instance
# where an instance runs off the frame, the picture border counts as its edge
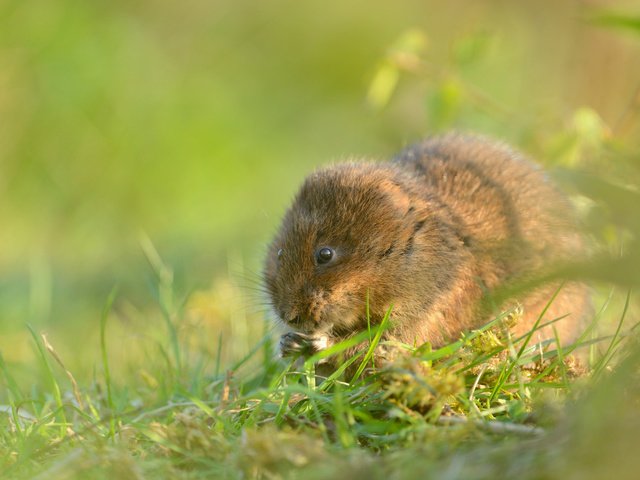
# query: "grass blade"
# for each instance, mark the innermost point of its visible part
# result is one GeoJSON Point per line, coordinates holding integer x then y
{"type": "Point", "coordinates": [372, 346]}
{"type": "Point", "coordinates": [11, 383]}
{"type": "Point", "coordinates": [505, 374]}
{"type": "Point", "coordinates": [105, 359]}
{"type": "Point", "coordinates": [52, 380]}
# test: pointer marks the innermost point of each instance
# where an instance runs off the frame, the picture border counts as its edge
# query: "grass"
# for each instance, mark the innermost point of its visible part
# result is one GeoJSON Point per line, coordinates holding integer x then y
{"type": "Point", "coordinates": [480, 406]}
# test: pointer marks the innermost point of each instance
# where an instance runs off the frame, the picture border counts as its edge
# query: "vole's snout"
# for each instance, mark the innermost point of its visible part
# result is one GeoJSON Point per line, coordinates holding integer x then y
{"type": "Point", "coordinates": [296, 321]}
{"type": "Point", "coordinates": [300, 323]}
{"type": "Point", "coordinates": [306, 313]}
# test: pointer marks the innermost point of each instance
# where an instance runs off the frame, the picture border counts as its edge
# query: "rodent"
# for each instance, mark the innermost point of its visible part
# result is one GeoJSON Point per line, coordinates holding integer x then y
{"type": "Point", "coordinates": [427, 235]}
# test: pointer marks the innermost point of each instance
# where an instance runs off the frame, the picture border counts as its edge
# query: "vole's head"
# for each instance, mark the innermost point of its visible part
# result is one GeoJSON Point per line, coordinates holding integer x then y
{"type": "Point", "coordinates": [350, 232]}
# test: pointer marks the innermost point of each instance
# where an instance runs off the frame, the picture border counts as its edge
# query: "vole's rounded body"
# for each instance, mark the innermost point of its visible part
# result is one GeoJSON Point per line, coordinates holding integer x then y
{"type": "Point", "coordinates": [428, 235]}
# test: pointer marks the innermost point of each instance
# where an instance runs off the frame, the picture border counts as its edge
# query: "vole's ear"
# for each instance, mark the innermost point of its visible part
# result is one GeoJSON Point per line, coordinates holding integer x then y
{"type": "Point", "coordinates": [397, 196]}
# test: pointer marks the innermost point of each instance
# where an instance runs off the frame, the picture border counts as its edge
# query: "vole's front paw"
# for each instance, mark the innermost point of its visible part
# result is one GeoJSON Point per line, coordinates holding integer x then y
{"type": "Point", "coordinates": [294, 343]}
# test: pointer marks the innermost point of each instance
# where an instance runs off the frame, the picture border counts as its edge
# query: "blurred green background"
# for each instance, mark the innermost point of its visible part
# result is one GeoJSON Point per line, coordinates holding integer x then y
{"type": "Point", "coordinates": [192, 123]}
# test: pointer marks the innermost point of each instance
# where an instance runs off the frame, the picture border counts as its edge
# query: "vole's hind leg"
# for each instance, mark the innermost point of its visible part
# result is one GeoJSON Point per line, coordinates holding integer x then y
{"type": "Point", "coordinates": [295, 343]}
{"type": "Point", "coordinates": [570, 310]}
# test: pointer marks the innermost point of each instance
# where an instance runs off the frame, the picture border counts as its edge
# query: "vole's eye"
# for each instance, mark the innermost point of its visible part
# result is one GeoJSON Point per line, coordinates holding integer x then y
{"type": "Point", "coordinates": [280, 252]}
{"type": "Point", "coordinates": [325, 254]}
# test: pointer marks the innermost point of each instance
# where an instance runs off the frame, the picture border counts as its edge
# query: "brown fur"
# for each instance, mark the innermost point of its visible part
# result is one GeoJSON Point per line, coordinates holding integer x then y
{"type": "Point", "coordinates": [428, 235]}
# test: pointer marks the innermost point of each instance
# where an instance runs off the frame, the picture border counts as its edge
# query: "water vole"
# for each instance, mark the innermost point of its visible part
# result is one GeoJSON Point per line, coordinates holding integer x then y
{"type": "Point", "coordinates": [427, 234]}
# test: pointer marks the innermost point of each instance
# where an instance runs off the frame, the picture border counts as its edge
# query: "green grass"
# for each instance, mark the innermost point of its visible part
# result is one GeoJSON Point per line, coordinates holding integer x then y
{"type": "Point", "coordinates": [476, 408]}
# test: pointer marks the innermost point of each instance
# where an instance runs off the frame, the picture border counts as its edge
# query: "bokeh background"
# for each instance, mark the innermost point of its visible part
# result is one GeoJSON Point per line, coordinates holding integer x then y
{"type": "Point", "coordinates": [154, 146]}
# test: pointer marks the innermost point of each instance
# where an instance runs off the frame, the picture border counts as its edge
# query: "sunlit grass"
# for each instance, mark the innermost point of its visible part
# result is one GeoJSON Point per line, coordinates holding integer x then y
{"type": "Point", "coordinates": [264, 418]}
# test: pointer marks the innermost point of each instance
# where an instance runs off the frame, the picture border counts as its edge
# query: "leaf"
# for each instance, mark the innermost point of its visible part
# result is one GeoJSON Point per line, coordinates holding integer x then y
{"type": "Point", "coordinates": [404, 54]}
{"type": "Point", "coordinates": [616, 20]}
{"type": "Point", "coordinates": [445, 104]}
{"type": "Point", "coordinates": [471, 48]}
{"type": "Point", "coordinates": [383, 85]}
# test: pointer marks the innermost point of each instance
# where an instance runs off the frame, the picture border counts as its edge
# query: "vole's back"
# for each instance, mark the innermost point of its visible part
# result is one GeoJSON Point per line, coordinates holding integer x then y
{"type": "Point", "coordinates": [499, 199]}
{"type": "Point", "coordinates": [511, 216]}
